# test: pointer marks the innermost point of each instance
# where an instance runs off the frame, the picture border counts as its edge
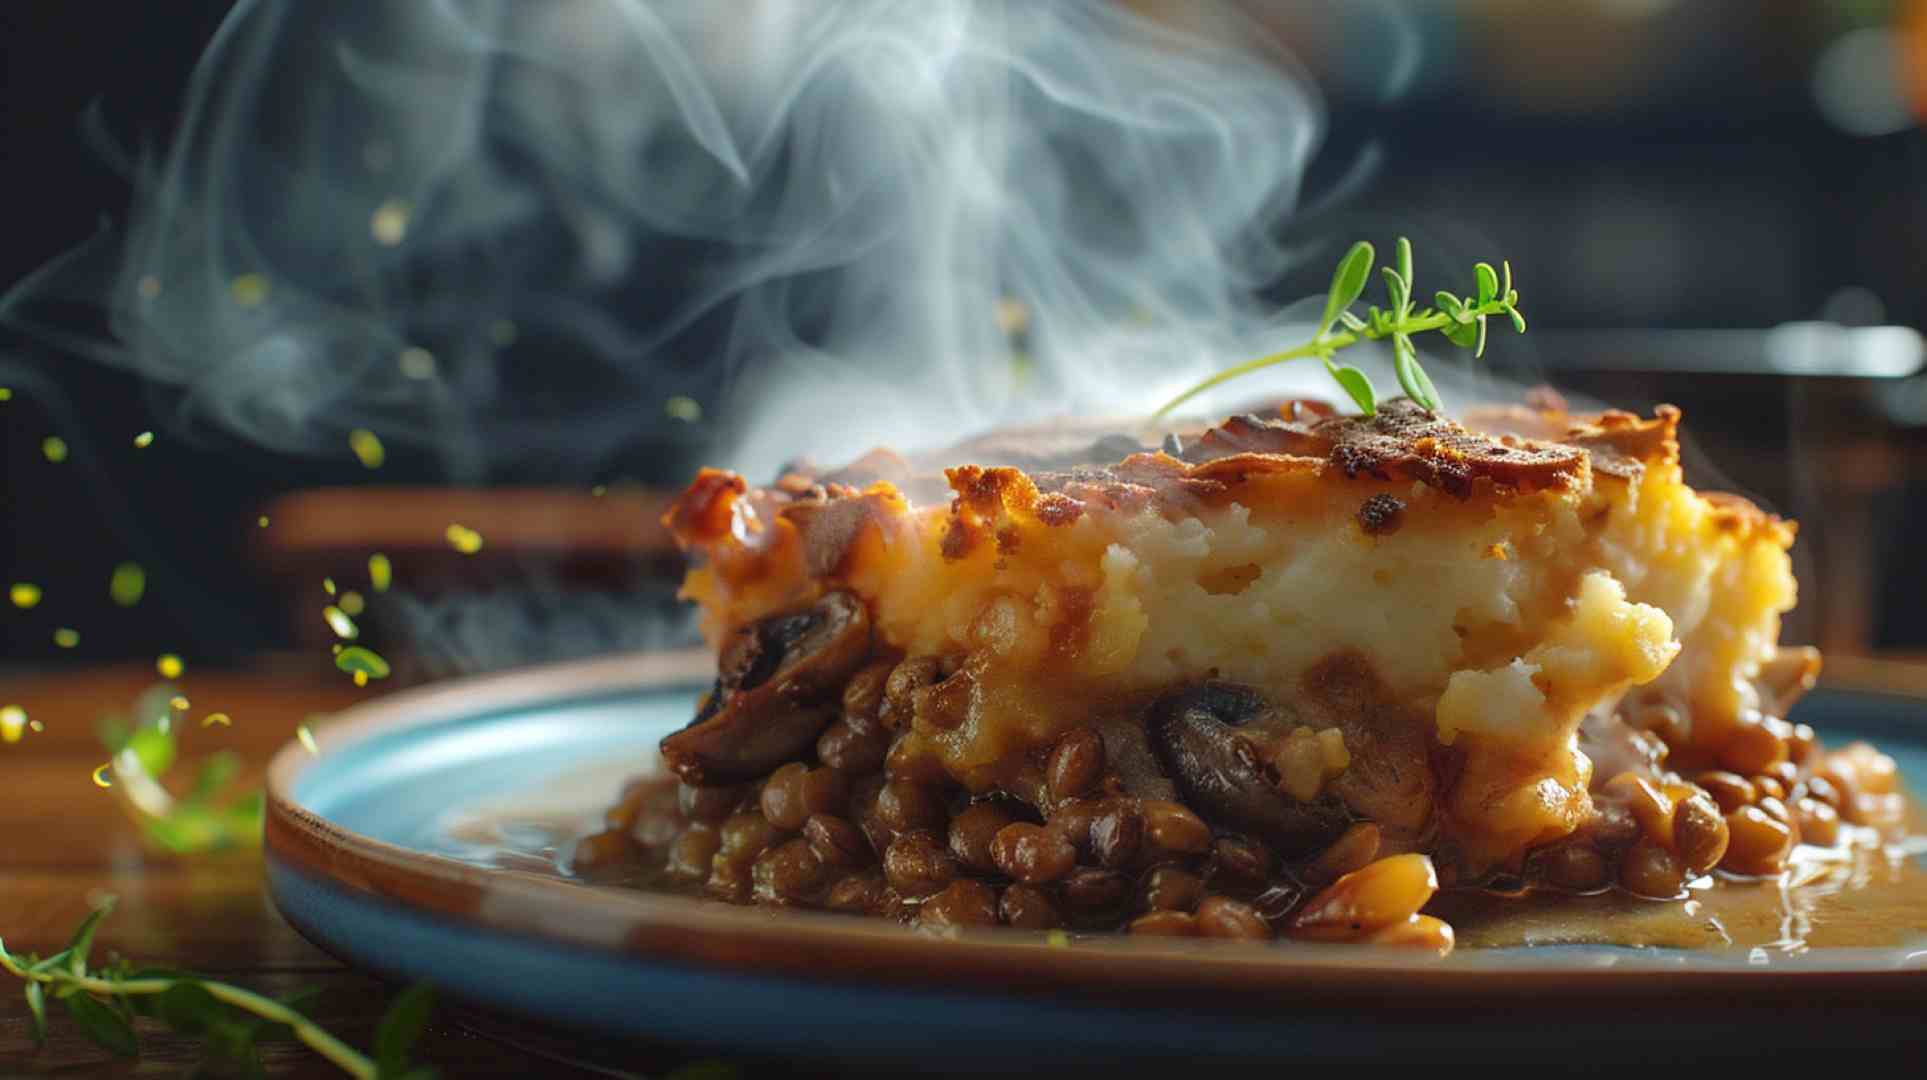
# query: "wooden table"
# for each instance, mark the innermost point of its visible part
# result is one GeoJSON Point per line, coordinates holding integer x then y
{"type": "Point", "coordinates": [65, 842]}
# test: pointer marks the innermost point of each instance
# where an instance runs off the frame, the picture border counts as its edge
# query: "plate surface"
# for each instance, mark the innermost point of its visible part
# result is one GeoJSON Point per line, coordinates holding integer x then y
{"type": "Point", "coordinates": [414, 844]}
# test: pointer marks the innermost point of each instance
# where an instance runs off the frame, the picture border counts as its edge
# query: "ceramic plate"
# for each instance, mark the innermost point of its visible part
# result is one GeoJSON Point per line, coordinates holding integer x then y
{"type": "Point", "coordinates": [418, 842]}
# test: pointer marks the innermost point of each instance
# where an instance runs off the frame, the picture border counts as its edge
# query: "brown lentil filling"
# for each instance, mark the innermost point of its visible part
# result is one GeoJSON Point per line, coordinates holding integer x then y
{"type": "Point", "coordinates": [855, 823]}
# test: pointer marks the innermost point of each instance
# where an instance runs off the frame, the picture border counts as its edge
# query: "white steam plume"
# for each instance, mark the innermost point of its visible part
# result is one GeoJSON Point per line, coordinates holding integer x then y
{"type": "Point", "coordinates": [509, 232]}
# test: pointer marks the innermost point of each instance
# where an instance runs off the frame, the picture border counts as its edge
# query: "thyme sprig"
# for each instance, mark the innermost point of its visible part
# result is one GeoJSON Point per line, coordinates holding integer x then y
{"type": "Point", "coordinates": [1460, 318]}
{"type": "Point", "coordinates": [104, 1002]}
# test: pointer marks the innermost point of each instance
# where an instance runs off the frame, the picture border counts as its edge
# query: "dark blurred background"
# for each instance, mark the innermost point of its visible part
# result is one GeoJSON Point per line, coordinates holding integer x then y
{"type": "Point", "coordinates": [1687, 190]}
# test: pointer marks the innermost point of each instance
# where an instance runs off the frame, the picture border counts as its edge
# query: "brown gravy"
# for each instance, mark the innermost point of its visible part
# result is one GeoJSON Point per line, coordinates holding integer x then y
{"type": "Point", "coordinates": [1869, 895]}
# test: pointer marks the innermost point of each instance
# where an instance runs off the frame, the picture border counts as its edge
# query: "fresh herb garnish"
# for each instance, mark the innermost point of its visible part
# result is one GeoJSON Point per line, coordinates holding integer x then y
{"type": "Point", "coordinates": [104, 1002]}
{"type": "Point", "coordinates": [208, 812]}
{"type": "Point", "coordinates": [1460, 319]}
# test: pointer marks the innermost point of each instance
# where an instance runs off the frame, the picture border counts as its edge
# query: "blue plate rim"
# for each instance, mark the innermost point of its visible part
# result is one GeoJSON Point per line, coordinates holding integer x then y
{"type": "Point", "coordinates": [653, 928]}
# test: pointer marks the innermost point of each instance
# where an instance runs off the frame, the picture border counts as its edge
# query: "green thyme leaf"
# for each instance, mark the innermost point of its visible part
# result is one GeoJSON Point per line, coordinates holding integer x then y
{"type": "Point", "coordinates": [83, 939]}
{"type": "Point", "coordinates": [1488, 282]}
{"type": "Point", "coordinates": [1405, 264]}
{"type": "Point", "coordinates": [1400, 292]}
{"type": "Point", "coordinates": [215, 773]}
{"type": "Point", "coordinates": [1461, 320]}
{"type": "Point", "coordinates": [1417, 384]}
{"type": "Point", "coordinates": [401, 1027]}
{"type": "Point", "coordinates": [37, 1010]}
{"type": "Point", "coordinates": [57, 960]}
{"type": "Point", "coordinates": [1348, 282]}
{"type": "Point", "coordinates": [154, 749]}
{"type": "Point", "coordinates": [103, 1025]}
{"type": "Point", "coordinates": [1357, 385]}
{"type": "Point", "coordinates": [188, 1008]}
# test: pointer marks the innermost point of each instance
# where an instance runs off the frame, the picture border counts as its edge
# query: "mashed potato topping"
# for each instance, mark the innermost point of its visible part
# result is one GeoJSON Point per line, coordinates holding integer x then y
{"type": "Point", "coordinates": [1482, 595]}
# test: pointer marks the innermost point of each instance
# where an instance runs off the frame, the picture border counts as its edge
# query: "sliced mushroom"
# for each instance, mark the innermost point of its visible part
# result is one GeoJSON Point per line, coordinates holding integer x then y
{"type": "Point", "coordinates": [1196, 733]}
{"type": "Point", "coordinates": [776, 689]}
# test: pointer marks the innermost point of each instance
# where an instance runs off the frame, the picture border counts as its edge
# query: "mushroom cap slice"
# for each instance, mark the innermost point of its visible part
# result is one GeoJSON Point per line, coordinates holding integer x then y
{"type": "Point", "coordinates": [1200, 734]}
{"type": "Point", "coordinates": [776, 689]}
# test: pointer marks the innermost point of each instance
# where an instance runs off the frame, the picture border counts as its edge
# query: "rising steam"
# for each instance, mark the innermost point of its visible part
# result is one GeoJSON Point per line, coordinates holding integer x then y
{"type": "Point", "coordinates": [512, 232]}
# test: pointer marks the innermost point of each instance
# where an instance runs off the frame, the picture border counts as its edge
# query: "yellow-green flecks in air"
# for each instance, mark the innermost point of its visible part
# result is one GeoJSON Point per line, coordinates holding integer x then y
{"type": "Point", "coordinates": [367, 446]}
{"type": "Point", "coordinates": [352, 603]}
{"type": "Point", "coordinates": [389, 223]}
{"type": "Point", "coordinates": [128, 584]}
{"type": "Point", "coordinates": [686, 409]}
{"type": "Point", "coordinates": [340, 623]}
{"type": "Point", "coordinates": [66, 637]}
{"type": "Point", "coordinates": [307, 740]}
{"type": "Point", "coordinates": [328, 585]}
{"type": "Point", "coordinates": [214, 718]}
{"type": "Point", "coordinates": [170, 666]}
{"type": "Point", "coordinates": [101, 779]}
{"type": "Point", "coordinates": [24, 594]}
{"type": "Point", "coordinates": [6, 393]}
{"type": "Point", "coordinates": [464, 539]}
{"type": "Point", "coordinates": [380, 573]}
{"type": "Point", "coordinates": [54, 449]}
{"type": "Point", "coordinates": [262, 521]}
{"type": "Point", "coordinates": [364, 663]}
{"type": "Point", "coordinates": [144, 440]}
{"type": "Point", "coordinates": [248, 290]}
{"type": "Point", "coordinates": [417, 363]}
{"type": "Point", "coordinates": [13, 722]}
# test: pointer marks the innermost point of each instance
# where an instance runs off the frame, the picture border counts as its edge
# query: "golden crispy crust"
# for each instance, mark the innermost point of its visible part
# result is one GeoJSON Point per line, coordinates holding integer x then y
{"type": "Point", "coordinates": [1055, 475]}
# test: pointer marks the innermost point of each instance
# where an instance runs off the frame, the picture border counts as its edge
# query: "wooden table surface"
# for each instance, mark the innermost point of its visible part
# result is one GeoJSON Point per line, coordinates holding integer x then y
{"type": "Point", "coordinates": [64, 843]}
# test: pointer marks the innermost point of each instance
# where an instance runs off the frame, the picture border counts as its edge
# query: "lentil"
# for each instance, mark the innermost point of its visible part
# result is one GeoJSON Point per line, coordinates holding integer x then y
{"type": "Point", "coordinates": [694, 851]}
{"type": "Point", "coordinates": [835, 841]}
{"type": "Point", "coordinates": [916, 865]}
{"type": "Point", "coordinates": [973, 830]}
{"type": "Point", "coordinates": [1166, 924]}
{"type": "Point", "coordinates": [1759, 843]}
{"type": "Point", "coordinates": [1116, 835]}
{"type": "Point", "coordinates": [857, 894]}
{"type": "Point", "coordinates": [844, 747]}
{"type": "Point", "coordinates": [1239, 865]}
{"type": "Point", "coordinates": [1076, 764]}
{"type": "Point", "coordinates": [711, 804]}
{"type": "Point", "coordinates": [1819, 822]}
{"type": "Point", "coordinates": [1576, 867]}
{"type": "Point", "coordinates": [964, 902]}
{"type": "Point", "coordinates": [902, 806]}
{"type": "Point", "coordinates": [1699, 833]}
{"type": "Point", "coordinates": [1032, 854]}
{"type": "Point", "coordinates": [1172, 888]}
{"type": "Point", "coordinates": [1029, 908]}
{"type": "Point", "coordinates": [1354, 848]}
{"type": "Point", "coordinates": [1223, 917]}
{"type": "Point", "coordinates": [789, 872]}
{"type": "Point", "coordinates": [1647, 869]}
{"type": "Point", "coordinates": [1730, 790]}
{"type": "Point", "coordinates": [1172, 828]}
